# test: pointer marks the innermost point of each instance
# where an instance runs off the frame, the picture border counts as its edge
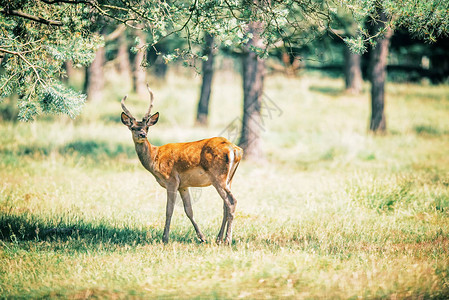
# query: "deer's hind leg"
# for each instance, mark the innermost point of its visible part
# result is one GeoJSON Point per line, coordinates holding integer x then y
{"type": "Point", "coordinates": [229, 206]}
{"type": "Point", "coordinates": [223, 224]}
{"type": "Point", "coordinates": [222, 184]}
{"type": "Point", "coordinates": [231, 215]}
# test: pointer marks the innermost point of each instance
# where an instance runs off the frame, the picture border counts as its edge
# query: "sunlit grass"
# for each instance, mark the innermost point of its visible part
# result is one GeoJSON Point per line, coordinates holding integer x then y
{"type": "Point", "coordinates": [333, 212]}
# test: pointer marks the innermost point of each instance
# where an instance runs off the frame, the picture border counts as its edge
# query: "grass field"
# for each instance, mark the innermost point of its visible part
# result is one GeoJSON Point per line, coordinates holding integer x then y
{"type": "Point", "coordinates": [333, 212]}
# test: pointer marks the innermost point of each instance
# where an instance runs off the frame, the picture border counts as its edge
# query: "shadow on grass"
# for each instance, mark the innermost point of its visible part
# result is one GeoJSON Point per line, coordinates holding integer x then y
{"type": "Point", "coordinates": [26, 228]}
{"type": "Point", "coordinates": [92, 148]}
{"type": "Point", "coordinates": [429, 131]}
{"type": "Point", "coordinates": [81, 147]}
{"type": "Point", "coordinates": [327, 90]}
{"type": "Point", "coordinates": [97, 148]}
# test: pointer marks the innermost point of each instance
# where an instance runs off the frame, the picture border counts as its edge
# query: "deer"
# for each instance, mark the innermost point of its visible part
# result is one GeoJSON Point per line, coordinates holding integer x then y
{"type": "Point", "coordinates": [178, 166]}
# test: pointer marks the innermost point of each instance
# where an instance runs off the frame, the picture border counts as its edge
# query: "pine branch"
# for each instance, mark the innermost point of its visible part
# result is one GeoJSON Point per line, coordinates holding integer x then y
{"type": "Point", "coordinates": [22, 57]}
{"type": "Point", "coordinates": [38, 19]}
{"type": "Point", "coordinates": [116, 33]}
{"type": "Point", "coordinates": [65, 1]}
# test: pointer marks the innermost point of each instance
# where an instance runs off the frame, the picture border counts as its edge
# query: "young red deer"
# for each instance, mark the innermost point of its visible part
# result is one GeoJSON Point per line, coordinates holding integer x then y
{"type": "Point", "coordinates": [179, 166]}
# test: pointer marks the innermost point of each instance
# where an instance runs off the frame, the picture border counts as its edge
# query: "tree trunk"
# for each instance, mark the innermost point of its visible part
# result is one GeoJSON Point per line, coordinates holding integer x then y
{"type": "Point", "coordinates": [139, 72]}
{"type": "Point", "coordinates": [160, 68]}
{"type": "Point", "coordinates": [206, 86]}
{"type": "Point", "coordinates": [253, 68]}
{"type": "Point", "coordinates": [353, 71]}
{"type": "Point", "coordinates": [69, 72]}
{"type": "Point", "coordinates": [94, 81]}
{"type": "Point", "coordinates": [378, 72]}
{"type": "Point", "coordinates": [124, 65]}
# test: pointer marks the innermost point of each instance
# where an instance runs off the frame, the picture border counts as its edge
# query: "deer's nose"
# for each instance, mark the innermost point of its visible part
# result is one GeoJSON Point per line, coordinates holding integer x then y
{"type": "Point", "coordinates": [142, 135]}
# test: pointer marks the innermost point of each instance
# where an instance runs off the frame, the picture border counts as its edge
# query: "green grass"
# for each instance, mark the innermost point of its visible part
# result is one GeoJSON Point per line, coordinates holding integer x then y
{"type": "Point", "coordinates": [333, 212]}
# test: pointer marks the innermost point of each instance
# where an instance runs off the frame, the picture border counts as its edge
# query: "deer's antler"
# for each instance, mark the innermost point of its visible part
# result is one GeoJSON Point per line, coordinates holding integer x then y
{"type": "Point", "coordinates": [125, 110]}
{"type": "Point", "coordinates": [148, 114]}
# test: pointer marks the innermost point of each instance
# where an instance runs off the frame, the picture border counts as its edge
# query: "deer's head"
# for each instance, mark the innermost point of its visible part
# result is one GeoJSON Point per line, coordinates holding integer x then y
{"type": "Point", "coordinates": [139, 129]}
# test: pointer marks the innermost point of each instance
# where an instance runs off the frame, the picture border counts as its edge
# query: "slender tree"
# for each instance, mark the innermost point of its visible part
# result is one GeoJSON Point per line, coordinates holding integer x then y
{"type": "Point", "coordinates": [206, 85]}
{"type": "Point", "coordinates": [94, 79]}
{"type": "Point", "coordinates": [378, 72]}
{"type": "Point", "coordinates": [253, 72]}
{"type": "Point", "coordinates": [139, 72]}
{"type": "Point", "coordinates": [69, 71]}
{"type": "Point", "coordinates": [123, 58]}
{"type": "Point", "coordinates": [344, 26]}
{"type": "Point", "coordinates": [353, 71]}
{"type": "Point", "coordinates": [424, 19]}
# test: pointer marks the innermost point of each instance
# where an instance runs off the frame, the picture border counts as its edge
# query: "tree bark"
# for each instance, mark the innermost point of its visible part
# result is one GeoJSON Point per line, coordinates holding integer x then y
{"type": "Point", "coordinates": [139, 72]}
{"type": "Point", "coordinates": [378, 73]}
{"type": "Point", "coordinates": [352, 71]}
{"type": "Point", "coordinates": [69, 71]}
{"type": "Point", "coordinates": [94, 81]}
{"type": "Point", "coordinates": [253, 68]}
{"type": "Point", "coordinates": [160, 68]}
{"type": "Point", "coordinates": [123, 59]}
{"type": "Point", "coordinates": [206, 86]}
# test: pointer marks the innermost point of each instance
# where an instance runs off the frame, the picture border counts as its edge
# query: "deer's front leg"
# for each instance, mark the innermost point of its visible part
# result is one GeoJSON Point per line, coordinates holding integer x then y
{"type": "Point", "coordinates": [171, 199]}
{"type": "Point", "coordinates": [185, 196]}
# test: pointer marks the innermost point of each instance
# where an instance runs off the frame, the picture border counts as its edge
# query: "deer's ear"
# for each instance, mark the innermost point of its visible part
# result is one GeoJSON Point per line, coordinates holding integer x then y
{"type": "Point", "coordinates": [153, 119]}
{"type": "Point", "coordinates": [126, 119]}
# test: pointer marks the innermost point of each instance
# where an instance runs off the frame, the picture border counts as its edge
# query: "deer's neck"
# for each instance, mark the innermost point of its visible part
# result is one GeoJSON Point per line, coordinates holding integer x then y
{"type": "Point", "coordinates": [146, 153]}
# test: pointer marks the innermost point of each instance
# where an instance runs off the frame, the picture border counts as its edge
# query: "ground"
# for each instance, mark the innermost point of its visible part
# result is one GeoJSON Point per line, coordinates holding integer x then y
{"type": "Point", "coordinates": [332, 212]}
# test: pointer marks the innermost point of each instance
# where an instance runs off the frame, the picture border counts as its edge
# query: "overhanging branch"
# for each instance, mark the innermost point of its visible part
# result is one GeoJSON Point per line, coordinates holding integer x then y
{"type": "Point", "coordinates": [31, 17]}
{"type": "Point", "coordinates": [22, 57]}
{"type": "Point", "coordinates": [65, 1]}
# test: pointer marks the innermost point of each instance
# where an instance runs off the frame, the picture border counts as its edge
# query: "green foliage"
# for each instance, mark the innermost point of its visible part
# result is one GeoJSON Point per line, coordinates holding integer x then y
{"type": "Point", "coordinates": [424, 19]}
{"type": "Point", "coordinates": [57, 99]}
{"type": "Point", "coordinates": [290, 22]}
{"type": "Point", "coordinates": [37, 37]}
{"type": "Point", "coordinates": [35, 52]}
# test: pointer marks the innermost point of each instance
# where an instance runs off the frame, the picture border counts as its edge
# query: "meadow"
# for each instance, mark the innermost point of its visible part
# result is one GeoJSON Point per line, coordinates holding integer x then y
{"type": "Point", "coordinates": [332, 212]}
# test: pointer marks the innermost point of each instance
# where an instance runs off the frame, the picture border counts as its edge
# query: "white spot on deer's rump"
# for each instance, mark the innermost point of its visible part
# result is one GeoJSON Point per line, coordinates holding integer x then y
{"type": "Point", "coordinates": [231, 165]}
